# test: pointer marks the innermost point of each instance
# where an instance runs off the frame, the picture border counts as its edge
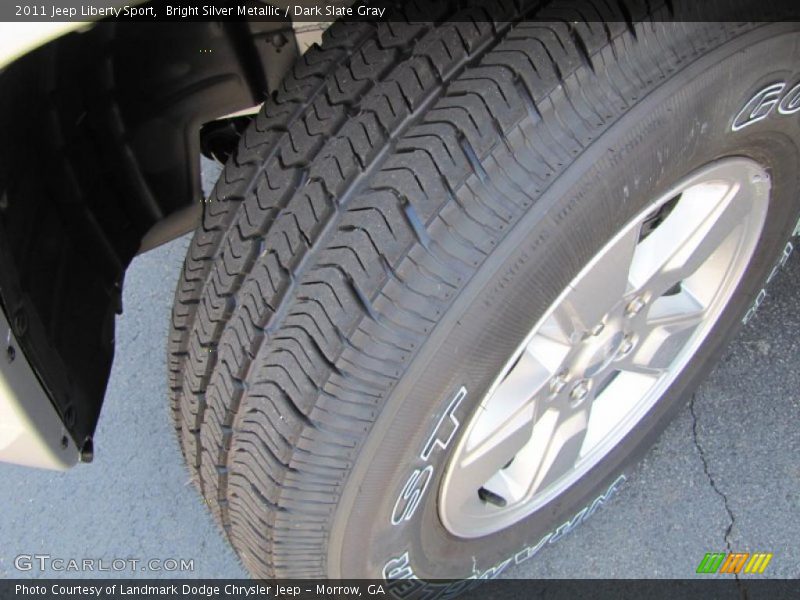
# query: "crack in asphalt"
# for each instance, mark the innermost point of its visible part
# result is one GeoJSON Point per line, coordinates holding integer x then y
{"type": "Point", "coordinates": [707, 471]}
{"type": "Point", "coordinates": [731, 518]}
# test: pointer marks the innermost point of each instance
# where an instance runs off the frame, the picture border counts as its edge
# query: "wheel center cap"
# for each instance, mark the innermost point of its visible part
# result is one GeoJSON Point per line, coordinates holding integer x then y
{"type": "Point", "coordinates": [599, 351]}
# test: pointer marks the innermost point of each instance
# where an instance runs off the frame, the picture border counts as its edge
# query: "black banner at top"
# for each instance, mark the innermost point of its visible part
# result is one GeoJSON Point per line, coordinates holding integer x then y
{"type": "Point", "coordinates": [322, 11]}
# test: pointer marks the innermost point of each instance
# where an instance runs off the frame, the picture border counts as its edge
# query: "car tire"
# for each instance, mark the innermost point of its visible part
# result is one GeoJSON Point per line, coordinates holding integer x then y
{"type": "Point", "coordinates": [394, 226]}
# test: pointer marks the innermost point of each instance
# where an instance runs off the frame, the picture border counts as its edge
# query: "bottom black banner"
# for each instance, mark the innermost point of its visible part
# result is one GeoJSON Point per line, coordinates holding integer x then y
{"type": "Point", "coordinates": [411, 589]}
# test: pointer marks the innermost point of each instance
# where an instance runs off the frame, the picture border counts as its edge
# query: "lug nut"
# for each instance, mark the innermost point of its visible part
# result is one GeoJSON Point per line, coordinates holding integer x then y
{"type": "Point", "coordinates": [626, 346]}
{"type": "Point", "coordinates": [580, 390]}
{"type": "Point", "coordinates": [558, 382]}
{"type": "Point", "coordinates": [598, 329]}
{"type": "Point", "coordinates": [635, 306]}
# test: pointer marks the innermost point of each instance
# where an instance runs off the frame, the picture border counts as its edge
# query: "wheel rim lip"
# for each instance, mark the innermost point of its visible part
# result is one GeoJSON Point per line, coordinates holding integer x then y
{"type": "Point", "coordinates": [472, 525]}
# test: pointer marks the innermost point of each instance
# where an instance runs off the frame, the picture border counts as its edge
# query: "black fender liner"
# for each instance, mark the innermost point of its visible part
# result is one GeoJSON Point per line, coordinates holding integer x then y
{"type": "Point", "coordinates": [101, 146]}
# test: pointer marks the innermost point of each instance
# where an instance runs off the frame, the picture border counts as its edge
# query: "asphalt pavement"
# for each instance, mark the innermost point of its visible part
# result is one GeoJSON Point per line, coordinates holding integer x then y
{"type": "Point", "coordinates": [724, 475]}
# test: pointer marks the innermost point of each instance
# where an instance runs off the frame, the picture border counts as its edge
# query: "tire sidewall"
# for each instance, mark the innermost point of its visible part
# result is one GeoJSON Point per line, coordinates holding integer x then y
{"type": "Point", "coordinates": [684, 124]}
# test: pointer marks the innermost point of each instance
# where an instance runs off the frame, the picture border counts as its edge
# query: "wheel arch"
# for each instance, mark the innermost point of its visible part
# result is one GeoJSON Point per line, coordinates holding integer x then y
{"type": "Point", "coordinates": [101, 161]}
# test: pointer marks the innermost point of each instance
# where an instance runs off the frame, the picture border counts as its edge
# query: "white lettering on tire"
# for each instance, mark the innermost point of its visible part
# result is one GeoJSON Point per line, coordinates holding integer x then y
{"type": "Point", "coordinates": [762, 294]}
{"type": "Point", "coordinates": [411, 494]}
{"type": "Point", "coordinates": [404, 583]}
{"type": "Point", "coordinates": [759, 106]}
{"type": "Point", "coordinates": [762, 104]}
{"type": "Point", "coordinates": [418, 481]}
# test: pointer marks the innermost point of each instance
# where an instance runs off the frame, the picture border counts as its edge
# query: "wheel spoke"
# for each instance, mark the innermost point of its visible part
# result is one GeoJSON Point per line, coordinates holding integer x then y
{"type": "Point", "coordinates": [558, 443]}
{"type": "Point", "coordinates": [600, 286]}
{"type": "Point", "coordinates": [611, 406]}
{"type": "Point", "coordinates": [548, 354]}
{"type": "Point", "coordinates": [664, 333]}
{"type": "Point", "coordinates": [514, 395]}
{"type": "Point", "coordinates": [505, 486]}
{"type": "Point", "coordinates": [704, 217]}
{"type": "Point", "coordinates": [498, 437]}
{"type": "Point", "coordinates": [495, 450]}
